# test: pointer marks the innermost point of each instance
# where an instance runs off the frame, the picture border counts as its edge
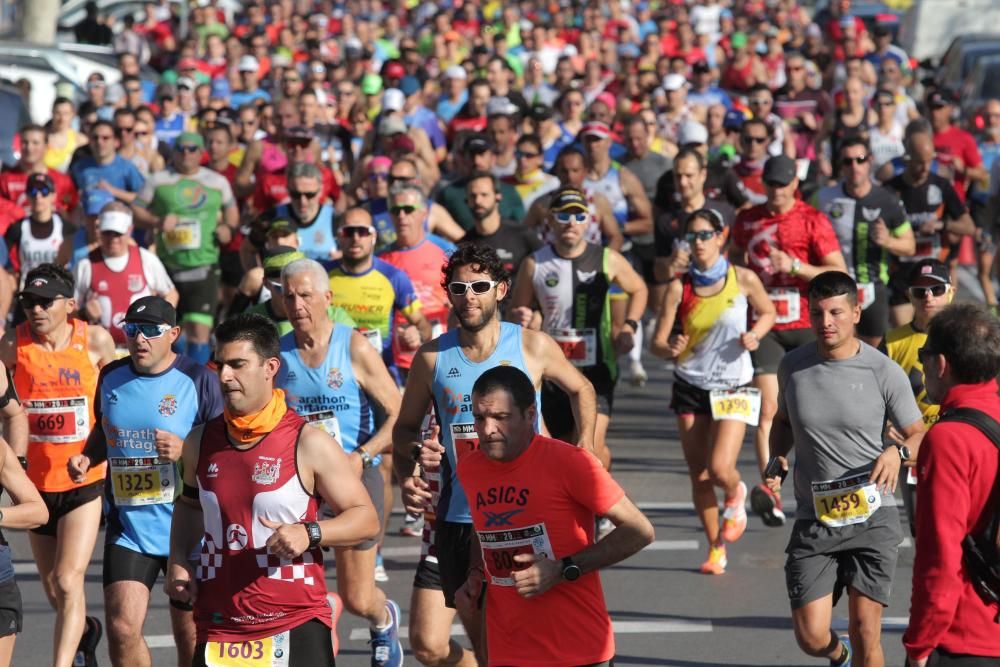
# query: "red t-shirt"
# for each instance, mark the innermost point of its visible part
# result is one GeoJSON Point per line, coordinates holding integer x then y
{"type": "Point", "coordinates": [544, 501]}
{"type": "Point", "coordinates": [804, 233]}
{"type": "Point", "coordinates": [956, 142]}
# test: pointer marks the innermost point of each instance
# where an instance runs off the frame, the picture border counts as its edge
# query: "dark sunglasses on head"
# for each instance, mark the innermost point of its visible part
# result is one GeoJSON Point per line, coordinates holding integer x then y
{"type": "Point", "coordinates": [148, 331]}
{"type": "Point", "coordinates": [396, 210]}
{"type": "Point", "coordinates": [43, 191]}
{"type": "Point", "coordinates": [924, 292]}
{"type": "Point", "coordinates": [299, 194]}
{"type": "Point", "coordinates": [703, 235]}
{"type": "Point", "coordinates": [361, 231]}
{"type": "Point", "coordinates": [848, 161]}
{"type": "Point", "coordinates": [28, 301]}
{"type": "Point", "coordinates": [459, 288]}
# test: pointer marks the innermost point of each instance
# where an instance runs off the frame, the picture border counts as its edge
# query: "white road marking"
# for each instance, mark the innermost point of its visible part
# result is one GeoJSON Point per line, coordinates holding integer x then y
{"type": "Point", "coordinates": [888, 623]}
{"type": "Point", "coordinates": [672, 545]}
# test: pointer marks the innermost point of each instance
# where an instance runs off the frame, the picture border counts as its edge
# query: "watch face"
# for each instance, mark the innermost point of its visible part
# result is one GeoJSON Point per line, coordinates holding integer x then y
{"type": "Point", "coordinates": [571, 572]}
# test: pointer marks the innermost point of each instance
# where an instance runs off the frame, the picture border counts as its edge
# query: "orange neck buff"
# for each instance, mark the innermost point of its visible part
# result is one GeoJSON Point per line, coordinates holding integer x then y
{"type": "Point", "coordinates": [250, 428]}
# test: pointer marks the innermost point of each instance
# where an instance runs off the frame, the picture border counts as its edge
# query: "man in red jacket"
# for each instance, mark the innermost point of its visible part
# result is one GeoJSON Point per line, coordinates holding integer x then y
{"type": "Point", "coordinates": [957, 471]}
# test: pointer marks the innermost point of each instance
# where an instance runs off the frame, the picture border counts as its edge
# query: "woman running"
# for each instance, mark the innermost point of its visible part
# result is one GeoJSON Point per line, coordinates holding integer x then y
{"type": "Point", "coordinates": [713, 368]}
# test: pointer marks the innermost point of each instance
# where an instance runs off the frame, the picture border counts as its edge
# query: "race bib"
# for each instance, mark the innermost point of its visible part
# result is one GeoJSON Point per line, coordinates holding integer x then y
{"type": "Point", "coordinates": [927, 246]}
{"type": "Point", "coordinates": [268, 652]}
{"type": "Point", "coordinates": [186, 235]}
{"type": "Point", "coordinates": [325, 420]}
{"type": "Point", "coordinates": [500, 547]}
{"type": "Point", "coordinates": [465, 438]}
{"type": "Point", "coordinates": [374, 337]}
{"type": "Point", "coordinates": [866, 295]}
{"type": "Point", "coordinates": [787, 305]}
{"type": "Point", "coordinates": [136, 482]}
{"type": "Point", "coordinates": [741, 404]}
{"type": "Point", "coordinates": [847, 501]}
{"type": "Point", "coordinates": [579, 345]}
{"type": "Point", "coordinates": [58, 420]}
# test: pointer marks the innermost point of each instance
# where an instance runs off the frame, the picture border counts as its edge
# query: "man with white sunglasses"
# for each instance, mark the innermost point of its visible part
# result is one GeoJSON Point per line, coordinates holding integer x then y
{"type": "Point", "coordinates": [443, 373]}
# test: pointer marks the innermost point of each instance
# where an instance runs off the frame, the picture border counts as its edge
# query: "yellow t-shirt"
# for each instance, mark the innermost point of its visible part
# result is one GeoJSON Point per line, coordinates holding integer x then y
{"type": "Point", "coordinates": [902, 344]}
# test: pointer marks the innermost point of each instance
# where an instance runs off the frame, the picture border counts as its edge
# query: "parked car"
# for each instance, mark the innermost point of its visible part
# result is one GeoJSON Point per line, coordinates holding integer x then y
{"type": "Point", "coordinates": [15, 116]}
{"type": "Point", "coordinates": [43, 78]}
{"type": "Point", "coordinates": [982, 84]}
{"type": "Point", "coordinates": [961, 57]}
{"type": "Point", "coordinates": [931, 25]}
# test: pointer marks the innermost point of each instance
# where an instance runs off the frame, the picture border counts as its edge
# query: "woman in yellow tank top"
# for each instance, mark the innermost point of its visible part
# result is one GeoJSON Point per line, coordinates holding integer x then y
{"type": "Point", "coordinates": [713, 368]}
{"type": "Point", "coordinates": [63, 140]}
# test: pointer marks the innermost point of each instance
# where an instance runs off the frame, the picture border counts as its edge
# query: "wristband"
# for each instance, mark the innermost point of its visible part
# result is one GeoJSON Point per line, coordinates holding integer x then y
{"type": "Point", "coordinates": [633, 324]}
{"type": "Point", "coordinates": [23, 460]}
{"type": "Point", "coordinates": [366, 459]}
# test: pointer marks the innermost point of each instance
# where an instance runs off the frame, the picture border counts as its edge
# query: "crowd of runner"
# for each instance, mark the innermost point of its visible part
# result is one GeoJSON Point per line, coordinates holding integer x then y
{"type": "Point", "coordinates": [440, 234]}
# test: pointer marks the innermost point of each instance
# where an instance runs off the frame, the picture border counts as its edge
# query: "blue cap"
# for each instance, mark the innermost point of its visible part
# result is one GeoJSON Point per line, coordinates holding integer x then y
{"type": "Point", "coordinates": [409, 85]}
{"type": "Point", "coordinates": [733, 120]}
{"type": "Point", "coordinates": [628, 50]}
{"type": "Point", "coordinates": [95, 200]}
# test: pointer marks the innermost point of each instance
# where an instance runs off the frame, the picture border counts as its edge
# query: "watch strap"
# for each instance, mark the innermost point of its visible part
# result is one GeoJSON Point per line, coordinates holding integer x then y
{"type": "Point", "coordinates": [315, 534]}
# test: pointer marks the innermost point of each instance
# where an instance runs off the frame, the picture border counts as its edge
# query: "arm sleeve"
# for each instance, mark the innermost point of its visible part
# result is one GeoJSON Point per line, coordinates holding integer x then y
{"type": "Point", "coordinates": [937, 567]}
{"type": "Point", "coordinates": [895, 217]}
{"type": "Point", "coordinates": [134, 180]}
{"type": "Point", "coordinates": [13, 235]}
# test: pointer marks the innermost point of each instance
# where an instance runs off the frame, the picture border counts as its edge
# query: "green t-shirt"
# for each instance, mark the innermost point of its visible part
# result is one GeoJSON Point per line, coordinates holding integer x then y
{"type": "Point", "coordinates": [453, 198]}
{"type": "Point", "coordinates": [197, 200]}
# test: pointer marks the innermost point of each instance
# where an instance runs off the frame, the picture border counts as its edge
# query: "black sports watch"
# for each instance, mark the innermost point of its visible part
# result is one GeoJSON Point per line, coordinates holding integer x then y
{"type": "Point", "coordinates": [571, 571]}
{"type": "Point", "coordinates": [904, 452]}
{"type": "Point", "coordinates": [315, 535]}
{"type": "Point", "coordinates": [633, 324]}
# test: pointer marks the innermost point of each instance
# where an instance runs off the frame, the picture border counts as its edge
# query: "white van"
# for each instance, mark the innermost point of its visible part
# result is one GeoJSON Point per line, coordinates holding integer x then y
{"type": "Point", "coordinates": [930, 25]}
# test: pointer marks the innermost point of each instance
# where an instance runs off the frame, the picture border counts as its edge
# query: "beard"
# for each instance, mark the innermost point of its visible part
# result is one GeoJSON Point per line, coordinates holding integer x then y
{"type": "Point", "coordinates": [481, 213]}
{"type": "Point", "coordinates": [488, 314]}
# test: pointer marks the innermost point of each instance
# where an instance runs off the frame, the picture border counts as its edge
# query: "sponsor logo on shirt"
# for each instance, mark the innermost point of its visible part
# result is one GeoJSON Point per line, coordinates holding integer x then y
{"type": "Point", "coordinates": [266, 470]}
{"type": "Point", "coordinates": [213, 470]}
{"type": "Point", "coordinates": [334, 379]}
{"type": "Point", "coordinates": [168, 405]}
{"type": "Point", "coordinates": [454, 373]}
{"type": "Point", "coordinates": [236, 537]}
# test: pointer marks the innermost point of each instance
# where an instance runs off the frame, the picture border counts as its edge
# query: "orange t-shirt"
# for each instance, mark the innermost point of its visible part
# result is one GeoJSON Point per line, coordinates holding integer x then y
{"type": "Point", "coordinates": [544, 501]}
{"type": "Point", "coordinates": [57, 390]}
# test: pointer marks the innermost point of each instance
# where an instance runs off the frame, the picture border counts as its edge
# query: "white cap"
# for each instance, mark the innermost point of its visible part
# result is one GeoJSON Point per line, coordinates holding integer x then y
{"type": "Point", "coordinates": [248, 64]}
{"type": "Point", "coordinates": [187, 82]}
{"type": "Point", "coordinates": [115, 221]}
{"type": "Point", "coordinates": [500, 106]}
{"type": "Point", "coordinates": [393, 99]}
{"type": "Point", "coordinates": [692, 132]}
{"type": "Point", "coordinates": [674, 82]}
{"type": "Point", "coordinates": [456, 72]}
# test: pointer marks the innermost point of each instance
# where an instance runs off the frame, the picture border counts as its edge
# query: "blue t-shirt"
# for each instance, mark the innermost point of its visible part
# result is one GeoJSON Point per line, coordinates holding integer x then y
{"type": "Point", "coordinates": [446, 109]}
{"type": "Point", "coordinates": [427, 121]}
{"type": "Point", "coordinates": [168, 129]}
{"type": "Point", "coordinates": [139, 491]}
{"type": "Point", "coordinates": [240, 97]}
{"type": "Point", "coordinates": [119, 173]}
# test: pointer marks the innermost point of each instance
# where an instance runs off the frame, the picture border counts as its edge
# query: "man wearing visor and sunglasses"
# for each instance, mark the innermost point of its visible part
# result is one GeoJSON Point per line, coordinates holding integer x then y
{"type": "Point", "coordinates": [142, 447]}
{"type": "Point", "coordinates": [56, 359]}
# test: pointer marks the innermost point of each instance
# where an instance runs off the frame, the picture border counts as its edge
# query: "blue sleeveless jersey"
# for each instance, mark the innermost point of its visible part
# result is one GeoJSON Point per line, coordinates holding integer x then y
{"type": "Point", "coordinates": [317, 240]}
{"type": "Point", "coordinates": [329, 396]}
{"type": "Point", "coordinates": [454, 376]}
{"type": "Point", "coordinates": [139, 491]}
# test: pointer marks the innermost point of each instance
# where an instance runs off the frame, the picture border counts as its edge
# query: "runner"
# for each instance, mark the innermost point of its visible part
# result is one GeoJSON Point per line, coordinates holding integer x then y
{"type": "Point", "coordinates": [118, 273]}
{"type": "Point", "coordinates": [336, 381]}
{"type": "Point", "coordinates": [786, 243]}
{"type": "Point", "coordinates": [143, 446]}
{"type": "Point", "coordinates": [193, 212]}
{"type": "Point", "coordinates": [258, 586]}
{"type": "Point", "coordinates": [36, 239]}
{"type": "Point", "coordinates": [569, 281]}
{"type": "Point", "coordinates": [711, 393]}
{"type": "Point", "coordinates": [834, 398]}
{"type": "Point", "coordinates": [312, 215]}
{"type": "Point", "coordinates": [14, 181]}
{"type": "Point", "coordinates": [56, 360]}
{"type": "Point", "coordinates": [870, 224]}
{"type": "Point", "coordinates": [543, 564]}
{"type": "Point", "coordinates": [442, 375]}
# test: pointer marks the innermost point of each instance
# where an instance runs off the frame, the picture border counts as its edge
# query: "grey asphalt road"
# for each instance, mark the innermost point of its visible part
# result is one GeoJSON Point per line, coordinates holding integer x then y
{"type": "Point", "coordinates": [665, 613]}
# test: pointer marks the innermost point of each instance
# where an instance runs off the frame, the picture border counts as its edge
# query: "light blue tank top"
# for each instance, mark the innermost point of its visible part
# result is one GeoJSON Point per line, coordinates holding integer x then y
{"type": "Point", "coordinates": [317, 240]}
{"type": "Point", "coordinates": [329, 396]}
{"type": "Point", "coordinates": [610, 185]}
{"type": "Point", "coordinates": [454, 377]}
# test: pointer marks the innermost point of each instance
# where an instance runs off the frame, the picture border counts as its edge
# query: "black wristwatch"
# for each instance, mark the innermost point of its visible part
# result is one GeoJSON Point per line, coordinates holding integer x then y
{"type": "Point", "coordinates": [571, 571]}
{"type": "Point", "coordinates": [315, 536]}
{"type": "Point", "coordinates": [633, 324]}
{"type": "Point", "coordinates": [904, 452]}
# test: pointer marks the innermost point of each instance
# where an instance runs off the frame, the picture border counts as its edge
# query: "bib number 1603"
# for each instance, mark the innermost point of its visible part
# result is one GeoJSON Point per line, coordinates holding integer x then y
{"type": "Point", "coordinates": [247, 650]}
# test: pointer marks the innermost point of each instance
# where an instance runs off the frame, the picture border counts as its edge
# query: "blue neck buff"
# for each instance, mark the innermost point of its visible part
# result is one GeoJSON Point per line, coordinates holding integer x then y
{"type": "Point", "coordinates": [711, 275]}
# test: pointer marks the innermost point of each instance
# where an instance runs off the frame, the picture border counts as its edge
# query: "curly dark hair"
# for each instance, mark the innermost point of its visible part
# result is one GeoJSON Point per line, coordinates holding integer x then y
{"type": "Point", "coordinates": [481, 257]}
{"type": "Point", "coordinates": [51, 272]}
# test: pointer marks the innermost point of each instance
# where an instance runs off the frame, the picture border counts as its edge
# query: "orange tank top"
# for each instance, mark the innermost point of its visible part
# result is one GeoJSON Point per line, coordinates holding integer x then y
{"type": "Point", "coordinates": [57, 390]}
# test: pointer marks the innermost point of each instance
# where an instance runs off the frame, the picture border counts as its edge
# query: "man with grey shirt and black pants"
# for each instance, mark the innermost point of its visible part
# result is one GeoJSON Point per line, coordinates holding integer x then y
{"type": "Point", "coordinates": [834, 397]}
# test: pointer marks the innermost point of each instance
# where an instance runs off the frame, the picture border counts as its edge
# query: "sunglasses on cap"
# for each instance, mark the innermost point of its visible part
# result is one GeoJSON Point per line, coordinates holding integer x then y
{"type": "Point", "coordinates": [703, 235]}
{"type": "Point", "coordinates": [148, 331]}
{"type": "Point", "coordinates": [459, 288]}
{"type": "Point", "coordinates": [362, 231]}
{"type": "Point", "coordinates": [43, 191]}
{"type": "Point", "coordinates": [921, 293]}
{"type": "Point", "coordinates": [28, 301]}
{"type": "Point", "coordinates": [564, 218]}
{"type": "Point", "coordinates": [396, 210]}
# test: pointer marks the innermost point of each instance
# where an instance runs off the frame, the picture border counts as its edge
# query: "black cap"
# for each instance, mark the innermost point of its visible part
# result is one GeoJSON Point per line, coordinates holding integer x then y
{"type": "Point", "coordinates": [568, 199]}
{"type": "Point", "coordinates": [39, 181]}
{"type": "Point", "coordinates": [477, 143]}
{"type": "Point", "coordinates": [540, 112]}
{"type": "Point", "coordinates": [276, 258]}
{"type": "Point", "coordinates": [931, 268]}
{"type": "Point", "coordinates": [47, 287]}
{"type": "Point", "coordinates": [701, 66]}
{"type": "Point", "coordinates": [779, 170]}
{"type": "Point", "coordinates": [941, 98]}
{"type": "Point", "coordinates": [152, 310]}
{"type": "Point", "coordinates": [282, 226]}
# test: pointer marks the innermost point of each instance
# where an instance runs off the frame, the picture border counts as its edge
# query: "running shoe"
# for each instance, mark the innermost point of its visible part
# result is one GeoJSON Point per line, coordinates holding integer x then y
{"type": "Point", "coordinates": [716, 563]}
{"type": "Point", "coordinates": [637, 374]}
{"type": "Point", "coordinates": [387, 651]}
{"type": "Point", "coordinates": [767, 504]}
{"type": "Point", "coordinates": [413, 525]}
{"type": "Point", "coordinates": [603, 528]}
{"type": "Point", "coordinates": [381, 575]}
{"type": "Point", "coordinates": [734, 516]}
{"type": "Point", "coordinates": [846, 662]}
{"type": "Point", "coordinates": [86, 652]}
{"type": "Point", "coordinates": [336, 609]}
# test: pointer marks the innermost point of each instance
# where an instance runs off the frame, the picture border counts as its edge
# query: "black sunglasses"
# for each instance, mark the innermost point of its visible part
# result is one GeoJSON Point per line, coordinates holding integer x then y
{"type": "Point", "coordinates": [43, 191]}
{"type": "Point", "coordinates": [755, 140]}
{"type": "Point", "coordinates": [848, 161]}
{"type": "Point", "coordinates": [299, 194]}
{"type": "Point", "coordinates": [28, 302]}
{"type": "Point", "coordinates": [396, 210]}
{"type": "Point", "coordinates": [357, 230]}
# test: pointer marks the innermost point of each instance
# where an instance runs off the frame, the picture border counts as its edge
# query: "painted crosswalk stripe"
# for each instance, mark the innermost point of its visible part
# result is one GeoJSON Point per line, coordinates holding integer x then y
{"type": "Point", "coordinates": [620, 628]}
{"type": "Point", "coordinates": [672, 545]}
